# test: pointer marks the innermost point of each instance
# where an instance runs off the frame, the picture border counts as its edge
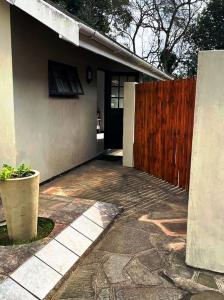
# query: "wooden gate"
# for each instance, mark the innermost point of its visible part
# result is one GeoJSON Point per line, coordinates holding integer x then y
{"type": "Point", "coordinates": [164, 128]}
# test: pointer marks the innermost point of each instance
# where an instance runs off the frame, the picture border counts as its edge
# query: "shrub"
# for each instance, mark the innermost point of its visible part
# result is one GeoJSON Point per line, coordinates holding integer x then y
{"type": "Point", "coordinates": [8, 172]}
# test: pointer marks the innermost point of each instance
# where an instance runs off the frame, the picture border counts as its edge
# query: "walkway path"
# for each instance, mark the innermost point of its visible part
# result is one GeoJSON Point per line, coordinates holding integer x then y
{"type": "Point", "coordinates": [142, 255]}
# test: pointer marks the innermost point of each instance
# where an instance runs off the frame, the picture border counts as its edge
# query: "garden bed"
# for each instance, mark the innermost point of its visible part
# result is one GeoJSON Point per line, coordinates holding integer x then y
{"type": "Point", "coordinates": [45, 227]}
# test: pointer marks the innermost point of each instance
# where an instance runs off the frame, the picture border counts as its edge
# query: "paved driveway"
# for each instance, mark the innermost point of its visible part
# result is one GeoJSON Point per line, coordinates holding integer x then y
{"type": "Point", "coordinates": [143, 253]}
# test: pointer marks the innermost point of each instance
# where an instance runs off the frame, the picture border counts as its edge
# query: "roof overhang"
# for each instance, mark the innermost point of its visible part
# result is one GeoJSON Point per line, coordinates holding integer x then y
{"type": "Point", "coordinates": [50, 16]}
{"type": "Point", "coordinates": [96, 42]}
{"type": "Point", "coordinates": [84, 36]}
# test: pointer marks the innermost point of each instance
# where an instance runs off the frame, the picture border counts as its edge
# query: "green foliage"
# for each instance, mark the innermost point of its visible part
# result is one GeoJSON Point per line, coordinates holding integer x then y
{"type": "Point", "coordinates": [207, 33]}
{"type": "Point", "coordinates": [99, 14]}
{"type": "Point", "coordinates": [9, 172]}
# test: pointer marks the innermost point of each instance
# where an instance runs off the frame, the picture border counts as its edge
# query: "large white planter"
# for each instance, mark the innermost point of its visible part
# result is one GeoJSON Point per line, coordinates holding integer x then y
{"type": "Point", "coordinates": [20, 198]}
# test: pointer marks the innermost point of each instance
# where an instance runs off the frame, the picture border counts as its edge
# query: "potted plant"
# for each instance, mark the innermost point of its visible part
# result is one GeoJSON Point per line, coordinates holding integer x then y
{"type": "Point", "coordinates": [19, 191]}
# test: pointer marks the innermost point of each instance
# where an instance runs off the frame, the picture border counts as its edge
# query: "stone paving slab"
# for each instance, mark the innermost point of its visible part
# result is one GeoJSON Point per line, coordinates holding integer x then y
{"type": "Point", "coordinates": [70, 209]}
{"type": "Point", "coordinates": [98, 216]}
{"type": "Point", "coordinates": [35, 276]}
{"type": "Point", "coordinates": [108, 208]}
{"type": "Point", "coordinates": [149, 293]}
{"type": "Point", "coordinates": [87, 227]}
{"type": "Point", "coordinates": [57, 257]}
{"type": "Point", "coordinates": [128, 263]}
{"type": "Point", "coordinates": [113, 267]}
{"type": "Point", "coordinates": [10, 290]}
{"type": "Point", "coordinates": [38, 275]}
{"type": "Point", "coordinates": [74, 241]}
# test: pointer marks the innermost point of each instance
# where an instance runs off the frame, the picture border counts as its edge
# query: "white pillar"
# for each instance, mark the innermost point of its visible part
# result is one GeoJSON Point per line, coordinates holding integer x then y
{"type": "Point", "coordinates": [129, 124]}
{"type": "Point", "coordinates": [7, 120]}
{"type": "Point", "coordinates": [205, 237]}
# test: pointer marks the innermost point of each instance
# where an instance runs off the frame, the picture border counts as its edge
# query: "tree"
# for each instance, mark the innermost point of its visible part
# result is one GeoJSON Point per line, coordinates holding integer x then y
{"type": "Point", "coordinates": [207, 33]}
{"type": "Point", "coordinates": [171, 21]}
{"type": "Point", "coordinates": [99, 14]}
{"type": "Point", "coordinates": [158, 29]}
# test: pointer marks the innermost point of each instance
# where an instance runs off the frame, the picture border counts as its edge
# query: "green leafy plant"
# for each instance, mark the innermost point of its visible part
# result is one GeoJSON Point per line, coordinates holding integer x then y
{"type": "Point", "coordinates": [9, 172]}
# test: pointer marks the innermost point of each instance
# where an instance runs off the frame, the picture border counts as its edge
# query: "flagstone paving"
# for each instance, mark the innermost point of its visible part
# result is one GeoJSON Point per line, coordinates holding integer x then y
{"type": "Point", "coordinates": [142, 257]}
{"type": "Point", "coordinates": [27, 273]}
{"type": "Point", "coordinates": [58, 209]}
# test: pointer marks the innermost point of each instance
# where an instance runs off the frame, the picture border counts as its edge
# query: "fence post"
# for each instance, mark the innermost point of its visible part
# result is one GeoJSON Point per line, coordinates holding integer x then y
{"type": "Point", "coordinates": [129, 124]}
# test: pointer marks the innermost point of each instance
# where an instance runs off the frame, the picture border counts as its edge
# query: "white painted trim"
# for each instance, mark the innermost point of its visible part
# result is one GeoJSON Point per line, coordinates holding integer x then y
{"type": "Point", "coordinates": [53, 18]}
{"type": "Point", "coordinates": [114, 56]}
{"type": "Point", "coordinates": [109, 46]}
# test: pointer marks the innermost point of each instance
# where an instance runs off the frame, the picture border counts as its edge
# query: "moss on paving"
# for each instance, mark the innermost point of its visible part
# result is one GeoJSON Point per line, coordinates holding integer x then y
{"type": "Point", "coordinates": [45, 227]}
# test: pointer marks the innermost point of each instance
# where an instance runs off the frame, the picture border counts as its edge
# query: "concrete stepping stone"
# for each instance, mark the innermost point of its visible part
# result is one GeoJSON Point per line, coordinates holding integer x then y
{"type": "Point", "coordinates": [57, 257]}
{"type": "Point", "coordinates": [87, 228]}
{"type": "Point", "coordinates": [36, 277]}
{"type": "Point", "coordinates": [98, 216]}
{"type": "Point", "coordinates": [10, 290]}
{"type": "Point", "coordinates": [74, 241]}
{"type": "Point", "coordinates": [108, 208]}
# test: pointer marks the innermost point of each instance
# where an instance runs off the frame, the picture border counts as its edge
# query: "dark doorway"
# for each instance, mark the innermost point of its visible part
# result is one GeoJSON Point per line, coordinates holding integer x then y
{"type": "Point", "coordinates": [114, 108]}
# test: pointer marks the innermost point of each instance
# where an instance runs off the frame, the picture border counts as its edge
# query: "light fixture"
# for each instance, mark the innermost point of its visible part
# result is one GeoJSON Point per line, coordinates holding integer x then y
{"type": "Point", "coordinates": [89, 74]}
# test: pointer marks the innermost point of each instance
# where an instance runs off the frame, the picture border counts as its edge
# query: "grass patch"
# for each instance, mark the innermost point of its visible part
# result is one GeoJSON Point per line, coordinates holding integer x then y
{"type": "Point", "coordinates": [45, 227]}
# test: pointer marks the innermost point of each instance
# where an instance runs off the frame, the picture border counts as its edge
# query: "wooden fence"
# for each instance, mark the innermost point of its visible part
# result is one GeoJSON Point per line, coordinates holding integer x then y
{"type": "Point", "coordinates": [164, 129]}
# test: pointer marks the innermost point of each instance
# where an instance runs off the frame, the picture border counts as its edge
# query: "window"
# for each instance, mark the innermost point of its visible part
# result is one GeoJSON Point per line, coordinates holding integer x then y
{"type": "Point", "coordinates": [117, 89]}
{"type": "Point", "coordinates": [63, 80]}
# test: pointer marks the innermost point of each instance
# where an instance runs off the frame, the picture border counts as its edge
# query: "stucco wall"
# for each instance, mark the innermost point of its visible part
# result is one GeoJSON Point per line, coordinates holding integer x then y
{"type": "Point", "coordinates": [7, 132]}
{"type": "Point", "coordinates": [205, 243]}
{"type": "Point", "coordinates": [129, 124]}
{"type": "Point", "coordinates": [53, 135]}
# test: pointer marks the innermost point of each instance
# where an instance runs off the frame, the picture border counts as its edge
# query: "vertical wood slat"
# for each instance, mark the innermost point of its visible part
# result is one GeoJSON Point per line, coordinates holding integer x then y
{"type": "Point", "coordinates": [164, 120]}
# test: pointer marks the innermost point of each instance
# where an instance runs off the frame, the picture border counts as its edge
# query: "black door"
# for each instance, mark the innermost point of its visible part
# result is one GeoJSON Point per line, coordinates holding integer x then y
{"type": "Point", "coordinates": [114, 108]}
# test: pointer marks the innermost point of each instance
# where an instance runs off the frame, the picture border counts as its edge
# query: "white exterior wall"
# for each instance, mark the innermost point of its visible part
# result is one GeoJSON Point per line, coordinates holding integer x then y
{"type": "Point", "coordinates": [205, 243]}
{"type": "Point", "coordinates": [7, 132]}
{"type": "Point", "coordinates": [129, 124]}
{"type": "Point", "coordinates": [52, 135]}
{"type": "Point", "coordinates": [101, 96]}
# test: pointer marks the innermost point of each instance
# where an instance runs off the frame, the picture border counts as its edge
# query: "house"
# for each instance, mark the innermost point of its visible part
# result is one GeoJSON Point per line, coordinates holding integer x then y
{"type": "Point", "coordinates": [57, 76]}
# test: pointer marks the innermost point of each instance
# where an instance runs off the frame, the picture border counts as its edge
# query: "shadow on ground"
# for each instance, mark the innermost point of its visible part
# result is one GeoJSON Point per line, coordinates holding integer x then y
{"type": "Point", "coordinates": [143, 255]}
